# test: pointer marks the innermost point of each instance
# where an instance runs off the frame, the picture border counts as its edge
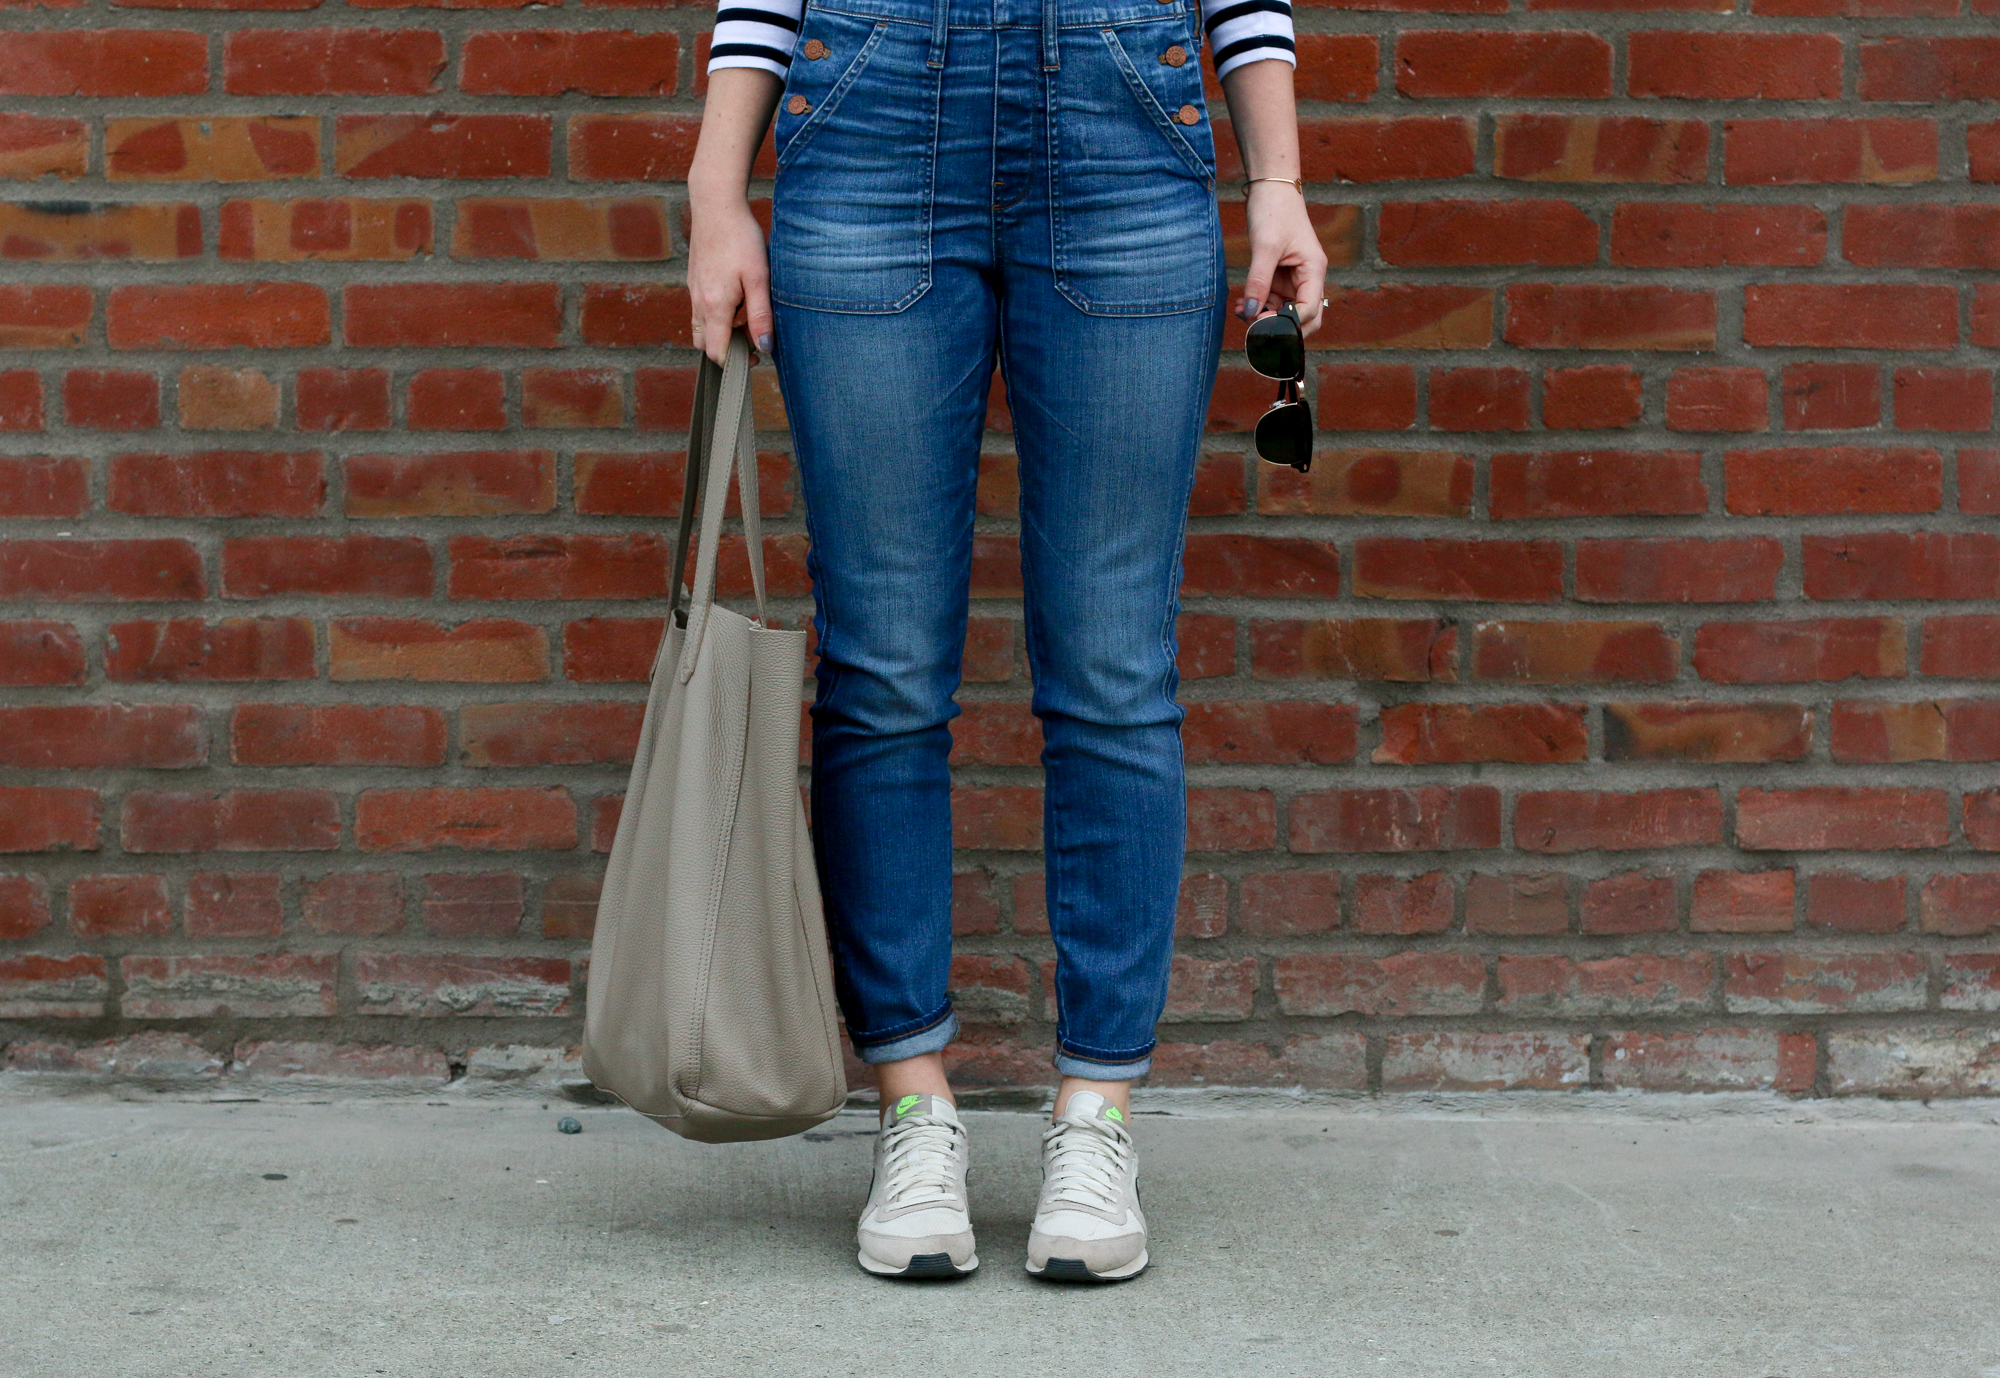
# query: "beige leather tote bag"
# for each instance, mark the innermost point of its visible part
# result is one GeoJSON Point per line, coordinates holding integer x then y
{"type": "Point", "coordinates": [711, 1007]}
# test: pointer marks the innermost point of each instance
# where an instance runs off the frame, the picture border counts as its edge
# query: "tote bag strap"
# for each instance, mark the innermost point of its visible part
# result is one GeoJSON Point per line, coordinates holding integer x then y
{"type": "Point", "coordinates": [734, 438]}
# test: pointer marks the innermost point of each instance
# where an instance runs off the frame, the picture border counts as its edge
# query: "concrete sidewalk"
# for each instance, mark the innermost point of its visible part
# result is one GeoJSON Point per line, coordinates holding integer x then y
{"type": "Point", "coordinates": [1623, 1237]}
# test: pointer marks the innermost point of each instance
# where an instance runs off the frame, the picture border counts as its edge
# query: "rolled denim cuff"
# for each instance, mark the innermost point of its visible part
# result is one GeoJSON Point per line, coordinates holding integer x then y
{"type": "Point", "coordinates": [1072, 1066]}
{"type": "Point", "coordinates": [923, 1041]}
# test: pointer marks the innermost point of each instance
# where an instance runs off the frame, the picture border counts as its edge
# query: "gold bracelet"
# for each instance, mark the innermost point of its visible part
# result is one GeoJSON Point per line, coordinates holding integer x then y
{"type": "Point", "coordinates": [1298, 183]}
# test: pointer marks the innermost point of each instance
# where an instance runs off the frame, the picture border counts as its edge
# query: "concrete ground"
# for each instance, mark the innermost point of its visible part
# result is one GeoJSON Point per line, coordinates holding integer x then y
{"type": "Point", "coordinates": [1625, 1237]}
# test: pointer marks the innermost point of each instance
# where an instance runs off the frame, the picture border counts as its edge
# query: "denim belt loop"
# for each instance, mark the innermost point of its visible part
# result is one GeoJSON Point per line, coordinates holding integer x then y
{"type": "Point", "coordinates": [1051, 51]}
{"type": "Point", "coordinates": [940, 21]}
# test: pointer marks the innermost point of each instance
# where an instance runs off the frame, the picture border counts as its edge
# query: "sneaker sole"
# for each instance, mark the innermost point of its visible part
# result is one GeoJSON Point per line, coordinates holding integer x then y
{"type": "Point", "coordinates": [922, 1268]}
{"type": "Point", "coordinates": [1073, 1270]}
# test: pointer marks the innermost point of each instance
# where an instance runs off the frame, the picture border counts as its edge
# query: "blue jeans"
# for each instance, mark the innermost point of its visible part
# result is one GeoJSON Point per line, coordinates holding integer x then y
{"type": "Point", "coordinates": [960, 180]}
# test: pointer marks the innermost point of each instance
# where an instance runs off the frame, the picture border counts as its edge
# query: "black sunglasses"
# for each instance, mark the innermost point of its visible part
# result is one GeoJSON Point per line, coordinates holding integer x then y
{"type": "Point", "coordinates": [1276, 348]}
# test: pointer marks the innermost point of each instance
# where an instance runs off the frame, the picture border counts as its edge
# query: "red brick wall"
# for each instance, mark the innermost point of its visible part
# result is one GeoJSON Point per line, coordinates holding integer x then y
{"type": "Point", "coordinates": [1612, 706]}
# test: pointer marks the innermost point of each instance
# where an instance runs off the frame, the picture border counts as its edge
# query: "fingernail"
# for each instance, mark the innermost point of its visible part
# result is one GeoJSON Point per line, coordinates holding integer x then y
{"type": "Point", "coordinates": [1251, 304]}
{"type": "Point", "coordinates": [764, 343]}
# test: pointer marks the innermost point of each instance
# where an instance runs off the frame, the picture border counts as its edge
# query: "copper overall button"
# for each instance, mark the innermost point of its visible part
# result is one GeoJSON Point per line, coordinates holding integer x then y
{"type": "Point", "coordinates": [1174, 56]}
{"type": "Point", "coordinates": [815, 49]}
{"type": "Point", "coordinates": [798, 105]}
{"type": "Point", "coordinates": [1187, 114]}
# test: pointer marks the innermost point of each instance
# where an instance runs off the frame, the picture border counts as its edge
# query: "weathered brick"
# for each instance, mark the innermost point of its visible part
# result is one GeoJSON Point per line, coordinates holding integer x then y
{"type": "Point", "coordinates": [408, 983]}
{"type": "Point", "coordinates": [1485, 1061]}
{"type": "Point", "coordinates": [287, 985]}
{"type": "Point", "coordinates": [1408, 983]}
{"type": "Point", "coordinates": [1815, 982]}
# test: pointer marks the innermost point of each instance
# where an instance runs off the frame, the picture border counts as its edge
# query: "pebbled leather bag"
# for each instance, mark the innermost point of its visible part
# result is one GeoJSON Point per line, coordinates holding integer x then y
{"type": "Point", "coordinates": [711, 1006]}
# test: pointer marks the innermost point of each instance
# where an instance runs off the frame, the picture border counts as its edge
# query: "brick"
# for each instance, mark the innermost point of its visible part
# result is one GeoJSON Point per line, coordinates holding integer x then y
{"type": "Point", "coordinates": [1209, 991]}
{"type": "Point", "coordinates": [1259, 732]}
{"type": "Point", "coordinates": [220, 148]}
{"type": "Point", "coordinates": [1407, 316]}
{"type": "Point", "coordinates": [72, 571]}
{"type": "Point", "coordinates": [1822, 982]}
{"type": "Point", "coordinates": [1443, 233]}
{"type": "Point", "coordinates": [1655, 234]}
{"type": "Point", "coordinates": [631, 148]}
{"type": "Point", "coordinates": [287, 985]}
{"type": "Point", "coordinates": [1971, 982]}
{"type": "Point", "coordinates": [1602, 316]}
{"type": "Point", "coordinates": [1985, 315]}
{"type": "Point", "coordinates": [1397, 986]}
{"type": "Point", "coordinates": [80, 736]}
{"type": "Point", "coordinates": [82, 231]}
{"type": "Point", "coordinates": [1599, 148]}
{"type": "Point", "coordinates": [337, 399]}
{"type": "Point", "coordinates": [33, 986]}
{"type": "Point", "coordinates": [332, 62]}
{"type": "Point", "coordinates": [1888, 565]}
{"type": "Point", "coordinates": [633, 315]}
{"type": "Point", "coordinates": [21, 403]}
{"type": "Point", "coordinates": [1979, 481]}
{"type": "Point", "coordinates": [1850, 903]}
{"type": "Point", "coordinates": [1260, 567]}
{"type": "Point", "coordinates": [1596, 483]}
{"type": "Point", "coordinates": [215, 398]}
{"type": "Point", "coordinates": [1403, 483]}
{"type": "Point", "coordinates": [35, 652]}
{"type": "Point", "coordinates": [143, 1056]}
{"type": "Point", "coordinates": [1930, 69]}
{"type": "Point", "coordinates": [1289, 903]}
{"type": "Point", "coordinates": [240, 820]}
{"type": "Point", "coordinates": [1962, 647]}
{"type": "Point", "coordinates": [1480, 399]}
{"type": "Point", "coordinates": [267, 315]}
{"type": "Point", "coordinates": [1875, 733]}
{"type": "Point", "coordinates": [1717, 399]}
{"type": "Point", "coordinates": [1728, 570]}
{"type": "Point", "coordinates": [44, 818]}
{"type": "Point", "coordinates": [1425, 818]}
{"type": "Point", "coordinates": [341, 734]}
{"type": "Point", "coordinates": [1702, 1060]}
{"type": "Point", "coordinates": [33, 146]}
{"type": "Point", "coordinates": [556, 230]}
{"type": "Point", "coordinates": [1481, 570]}
{"type": "Point", "coordinates": [1226, 820]}
{"type": "Point", "coordinates": [1944, 399]}
{"type": "Point", "coordinates": [1471, 63]}
{"type": "Point", "coordinates": [43, 317]}
{"type": "Point", "coordinates": [1386, 150]}
{"type": "Point", "coordinates": [1841, 818]}
{"type": "Point", "coordinates": [569, 906]}
{"type": "Point", "coordinates": [1517, 905]}
{"type": "Point", "coordinates": [1629, 902]}
{"type": "Point", "coordinates": [1922, 1063]}
{"type": "Point", "coordinates": [386, 1066]}
{"type": "Point", "coordinates": [1875, 316]}
{"type": "Point", "coordinates": [496, 819]}
{"type": "Point", "coordinates": [1414, 650]}
{"type": "Point", "coordinates": [1458, 733]}
{"type": "Point", "coordinates": [367, 903]}
{"type": "Point", "coordinates": [1824, 649]}
{"type": "Point", "coordinates": [1702, 730]}
{"type": "Point", "coordinates": [1832, 479]}
{"type": "Point", "coordinates": [457, 399]}
{"type": "Point", "coordinates": [553, 62]}
{"type": "Point", "coordinates": [1921, 236]}
{"type": "Point", "coordinates": [1960, 905]}
{"type": "Point", "coordinates": [1337, 67]}
{"type": "Point", "coordinates": [451, 483]}
{"type": "Point", "coordinates": [523, 734]}
{"type": "Point", "coordinates": [409, 315]}
{"type": "Point", "coordinates": [1332, 1062]}
{"type": "Point", "coordinates": [1593, 397]}
{"type": "Point", "coordinates": [122, 906]}
{"type": "Point", "coordinates": [1742, 902]}
{"type": "Point", "coordinates": [234, 649]}
{"type": "Point", "coordinates": [235, 904]}
{"type": "Point", "coordinates": [1882, 152]}
{"type": "Point", "coordinates": [575, 398]}
{"type": "Point", "coordinates": [1485, 1062]}
{"type": "Point", "coordinates": [631, 566]}
{"type": "Point", "coordinates": [111, 399]}
{"type": "Point", "coordinates": [480, 146]}
{"type": "Point", "coordinates": [1366, 397]}
{"type": "Point", "coordinates": [486, 905]}
{"type": "Point", "coordinates": [1574, 652]}
{"type": "Point", "coordinates": [326, 566]}
{"type": "Point", "coordinates": [1691, 65]}
{"type": "Point", "coordinates": [342, 229]}
{"type": "Point", "coordinates": [1558, 821]}
{"type": "Point", "coordinates": [1403, 904]}
{"type": "Point", "coordinates": [1558, 987]}
{"type": "Point", "coordinates": [103, 62]}
{"type": "Point", "coordinates": [1830, 397]}
{"type": "Point", "coordinates": [480, 651]}
{"type": "Point", "coordinates": [43, 486]}
{"type": "Point", "coordinates": [217, 483]}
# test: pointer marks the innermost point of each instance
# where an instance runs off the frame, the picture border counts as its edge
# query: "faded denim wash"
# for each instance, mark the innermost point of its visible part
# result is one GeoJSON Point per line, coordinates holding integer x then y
{"type": "Point", "coordinates": [960, 180]}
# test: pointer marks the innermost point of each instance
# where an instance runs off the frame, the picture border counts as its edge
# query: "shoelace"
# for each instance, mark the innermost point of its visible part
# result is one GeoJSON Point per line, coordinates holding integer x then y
{"type": "Point", "coordinates": [919, 1160]}
{"type": "Point", "coordinates": [1086, 1163]}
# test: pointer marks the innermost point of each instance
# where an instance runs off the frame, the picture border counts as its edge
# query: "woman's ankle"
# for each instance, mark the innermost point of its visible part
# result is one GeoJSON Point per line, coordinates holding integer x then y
{"type": "Point", "coordinates": [1118, 1093]}
{"type": "Point", "coordinates": [922, 1075]}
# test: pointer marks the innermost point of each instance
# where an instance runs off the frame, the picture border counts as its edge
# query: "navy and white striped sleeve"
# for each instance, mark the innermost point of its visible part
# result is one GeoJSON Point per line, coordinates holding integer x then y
{"type": "Point", "coordinates": [1241, 31]}
{"type": "Point", "coordinates": [756, 34]}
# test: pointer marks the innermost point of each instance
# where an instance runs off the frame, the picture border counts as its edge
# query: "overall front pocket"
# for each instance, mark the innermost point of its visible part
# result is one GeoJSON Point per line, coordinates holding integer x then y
{"type": "Point", "coordinates": [856, 137]}
{"type": "Point", "coordinates": [1133, 196]}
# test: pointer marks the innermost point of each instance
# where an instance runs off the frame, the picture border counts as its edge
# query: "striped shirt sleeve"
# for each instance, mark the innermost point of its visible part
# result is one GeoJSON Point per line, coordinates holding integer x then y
{"type": "Point", "coordinates": [1242, 31]}
{"type": "Point", "coordinates": [759, 34]}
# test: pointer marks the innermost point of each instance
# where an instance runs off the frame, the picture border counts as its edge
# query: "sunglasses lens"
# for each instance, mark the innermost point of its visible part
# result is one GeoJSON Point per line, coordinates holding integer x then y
{"type": "Point", "coordinates": [1285, 434]}
{"type": "Point", "coordinates": [1275, 347]}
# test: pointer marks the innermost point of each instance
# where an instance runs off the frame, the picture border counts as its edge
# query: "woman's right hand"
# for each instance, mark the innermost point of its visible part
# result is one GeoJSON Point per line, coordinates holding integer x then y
{"type": "Point", "coordinates": [728, 270]}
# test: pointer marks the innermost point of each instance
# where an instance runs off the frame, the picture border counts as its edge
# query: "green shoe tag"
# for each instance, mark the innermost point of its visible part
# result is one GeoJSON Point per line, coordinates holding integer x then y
{"type": "Point", "coordinates": [904, 1105]}
{"type": "Point", "coordinates": [1112, 1112]}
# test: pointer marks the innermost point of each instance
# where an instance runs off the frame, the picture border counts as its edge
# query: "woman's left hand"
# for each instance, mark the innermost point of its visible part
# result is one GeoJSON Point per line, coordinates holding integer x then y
{"type": "Point", "coordinates": [1286, 260]}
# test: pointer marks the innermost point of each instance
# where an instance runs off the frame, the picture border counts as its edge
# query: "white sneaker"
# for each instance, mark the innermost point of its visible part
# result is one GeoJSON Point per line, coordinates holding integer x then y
{"type": "Point", "coordinates": [1088, 1226]}
{"type": "Point", "coordinates": [916, 1224]}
